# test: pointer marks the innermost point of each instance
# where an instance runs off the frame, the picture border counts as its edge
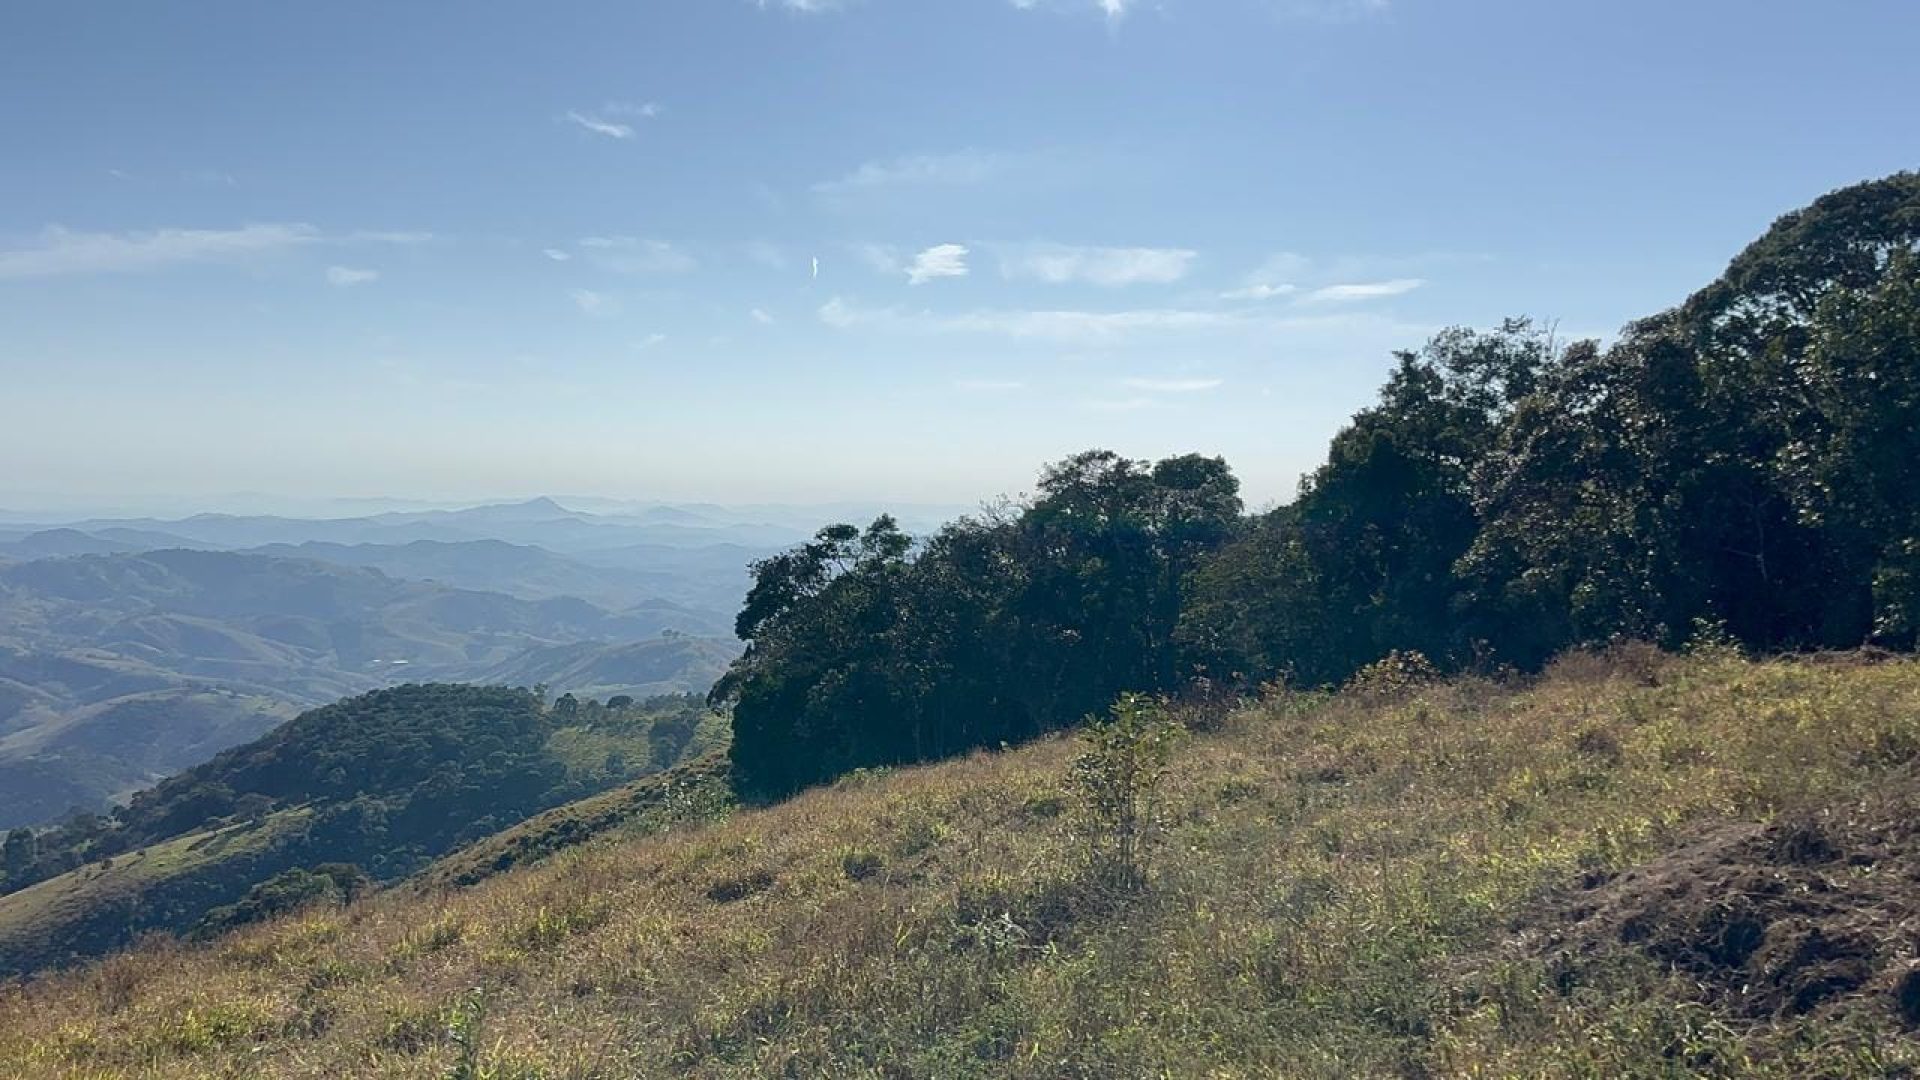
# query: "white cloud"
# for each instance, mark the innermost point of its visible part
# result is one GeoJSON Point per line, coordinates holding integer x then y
{"type": "Point", "coordinates": [1370, 290]}
{"type": "Point", "coordinates": [1171, 386]}
{"type": "Point", "coordinates": [926, 170]}
{"type": "Point", "coordinates": [1343, 278]}
{"type": "Point", "coordinates": [600, 125]}
{"type": "Point", "coordinates": [398, 239]}
{"type": "Point", "coordinates": [761, 317]}
{"type": "Point", "coordinates": [1260, 292]}
{"type": "Point", "coordinates": [593, 303]}
{"type": "Point", "coordinates": [555, 254]}
{"type": "Point", "coordinates": [344, 276]}
{"type": "Point", "coordinates": [1059, 264]}
{"type": "Point", "coordinates": [650, 341]}
{"type": "Point", "coordinates": [1073, 326]}
{"type": "Point", "coordinates": [938, 261]}
{"type": "Point", "coordinates": [635, 255]}
{"type": "Point", "coordinates": [1273, 278]}
{"type": "Point", "coordinates": [808, 6]}
{"type": "Point", "coordinates": [989, 385]}
{"type": "Point", "coordinates": [1112, 328]}
{"type": "Point", "coordinates": [1088, 326]}
{"type": "Point", "coordinates": [60, 251]}
{"type": "Point", "coordinates": [1112, 9]}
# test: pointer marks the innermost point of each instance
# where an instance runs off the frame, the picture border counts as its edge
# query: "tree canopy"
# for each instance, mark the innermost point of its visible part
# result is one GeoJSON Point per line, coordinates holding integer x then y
{"type": "Point", "coordinates": [1740, 460]}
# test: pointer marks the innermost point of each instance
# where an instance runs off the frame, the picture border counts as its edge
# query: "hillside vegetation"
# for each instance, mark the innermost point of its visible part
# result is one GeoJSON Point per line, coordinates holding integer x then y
{"type": "Point", "coordinates": [1444, 880]}
{"type": "Point", "coordinates": [119, 670]}
{"type": "Point", "coordinates": [1742, 461]}
{"type": "Point", "coordinates": [384, 782]}
{"type": "Point", "coordinates": [1634, 864]}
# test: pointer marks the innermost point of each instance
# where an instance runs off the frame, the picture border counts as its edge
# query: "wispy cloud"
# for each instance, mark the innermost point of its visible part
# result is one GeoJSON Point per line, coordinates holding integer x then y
{"type": "Point", "coordinates": [395, 238]}
{"type": "Point", "coordinates": [604, 120]}
{"type": "Point", "coordinates": [1059, 264]}
{"type": "Point", "coordinates": [1171, 386]}
{"type": "Point", "coordinates": [1344, 278]}
{"type": "Point", "coordinates": [593, 303]}
{"type": "Point", "coordinates": [58, 251]}
{"type": "Point", "coordinates": [650, 341]}
{"type": "Point", "coordinates": [989, 385]}
{"type": "Point", "coordinates": [600, 125]}
{"type": "Point", "coordinates": [938, 261]}
{"type": "Point", "coordinates": [760, 316]}
{"type": "Point", "coordinates": [1367, 290]}
{"type": "Point", "coordinates": [1131, 404]}
{"type": "Point", "coordinates": [922, 170]}
{"type": "Point", "coordinates": [634, 255]}
{"type": "Point", "coordinates": [805, 6]}
{"type": "Point", "coordinates": [344, 276]}
{"type": "Point", "coordinates": [555, 254]}
{"type": "Point", "coordinates": [1066, 325]}
{"type": "Point", "coordinates": [1260, 292]}
{"type": "Point", "coordinates": [1114, 328]}
{"type": "Point", "coordinates": [1114, 10]}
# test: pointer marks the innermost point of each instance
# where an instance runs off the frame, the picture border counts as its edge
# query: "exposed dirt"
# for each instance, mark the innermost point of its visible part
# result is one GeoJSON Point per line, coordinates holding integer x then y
{"type": "Point", "coordinates": [1810, 914]}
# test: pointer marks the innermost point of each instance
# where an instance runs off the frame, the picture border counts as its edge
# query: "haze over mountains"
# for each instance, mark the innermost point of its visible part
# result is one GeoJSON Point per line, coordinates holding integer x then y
{"type": "Point", "coordinates": [134, 647]}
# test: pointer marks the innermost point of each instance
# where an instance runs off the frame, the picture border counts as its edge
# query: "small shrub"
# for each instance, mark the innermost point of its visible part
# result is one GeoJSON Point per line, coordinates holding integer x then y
{"type": "Point", "coordinates": [1117, 776]}
{"type": "Point", "coordinates": [1393, 676]}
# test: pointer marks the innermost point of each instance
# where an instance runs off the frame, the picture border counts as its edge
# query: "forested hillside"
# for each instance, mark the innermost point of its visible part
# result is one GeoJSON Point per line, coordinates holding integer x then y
{"type": "Point", "coordinates": [383, 783]}
{"type": "Point", "coordinates": [1739, 465]}
{"type": "Point", "coordinates": [118, 670]}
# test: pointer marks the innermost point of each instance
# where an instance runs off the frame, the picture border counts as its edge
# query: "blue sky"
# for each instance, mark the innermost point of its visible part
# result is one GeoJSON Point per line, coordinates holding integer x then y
{"type": "Point", "coordinates": [893, 249]}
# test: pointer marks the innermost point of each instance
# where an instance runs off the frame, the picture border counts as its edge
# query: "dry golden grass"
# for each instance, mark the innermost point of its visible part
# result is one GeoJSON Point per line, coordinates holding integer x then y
{"type": "Point", "coordinates": [1340, 889]}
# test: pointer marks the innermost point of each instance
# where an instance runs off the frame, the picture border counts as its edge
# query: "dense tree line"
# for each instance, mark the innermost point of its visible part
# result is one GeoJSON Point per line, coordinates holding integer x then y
{"type": "Point", "coordinates": [1741, 460]}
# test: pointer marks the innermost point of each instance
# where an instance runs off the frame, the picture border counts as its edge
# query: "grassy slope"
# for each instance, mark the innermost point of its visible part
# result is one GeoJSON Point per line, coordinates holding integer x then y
{"type": "Point", "coordinates": [693, 791]}
{"type": "Point", "coordinates": [90, 905]}
{"type": "Point", "coordinates": [1345, 888]}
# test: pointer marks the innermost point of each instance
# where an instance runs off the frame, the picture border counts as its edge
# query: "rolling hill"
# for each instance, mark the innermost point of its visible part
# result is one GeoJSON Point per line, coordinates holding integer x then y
{"type": "Point", "coordinates": [386, 781]}
{"type": "Point", "coordinates": [199, 650]}
{"type": "Point", "coordinates": [1561, 877]}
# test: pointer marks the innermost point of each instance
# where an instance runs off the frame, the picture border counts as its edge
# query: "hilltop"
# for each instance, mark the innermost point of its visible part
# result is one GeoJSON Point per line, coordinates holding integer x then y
{"type": "Point", "coordinates": [1465, 878]}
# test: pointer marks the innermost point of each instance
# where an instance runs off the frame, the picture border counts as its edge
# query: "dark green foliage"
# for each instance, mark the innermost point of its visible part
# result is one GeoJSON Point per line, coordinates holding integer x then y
{"type": "Point", "coordinates": [865, 650]}
{"type": "Point", "coordinates": [391, 777]}
{"type": "Point", "coordinates": [1744, 460]}
{"type": "Point", "coordinates": [22, 849]}
{"type": "Point", "coordinates": [387, 781]}
{"type": "Point", "coordinates": [289, 890]}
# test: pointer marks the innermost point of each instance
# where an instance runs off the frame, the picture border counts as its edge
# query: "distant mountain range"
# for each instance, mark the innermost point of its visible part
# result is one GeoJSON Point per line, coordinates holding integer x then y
{"type": "Point", "coordinates": [541, 522]}
{"type": "Point", "coordinates": [118, 669]}
{"type": "Point", "coordinates": [133, 647]}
